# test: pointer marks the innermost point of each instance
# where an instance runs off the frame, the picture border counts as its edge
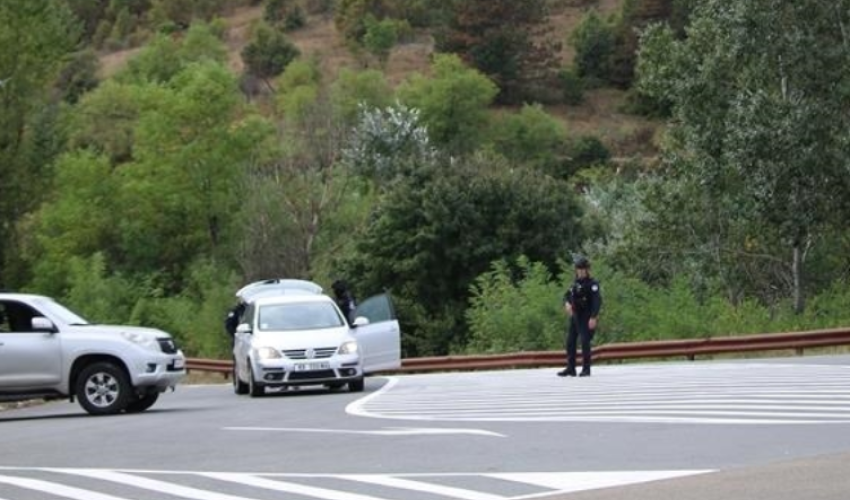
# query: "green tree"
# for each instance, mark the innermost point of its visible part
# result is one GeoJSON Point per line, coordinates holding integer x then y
{"type": "Point", "coordinates": [443, 225]}
{"type": "Point", "coordinates": [532, 137]}
{"type": "Point", "coordinates": [36, 36]}
{"type": "Point", "coordinates": [593, 41]}
{"type": "Point", "coordinates": [380, 37]}
{"type": "Point", "coordinates": [508, 41]}
{"type": "Point", "coordinates": [761, 112]}
{"type": "Point", "coordinates": [268, 53]}
{"type": "Point", "coordinates": [353, 89]}
{"type": "Point", "coordinates": [453, 102]}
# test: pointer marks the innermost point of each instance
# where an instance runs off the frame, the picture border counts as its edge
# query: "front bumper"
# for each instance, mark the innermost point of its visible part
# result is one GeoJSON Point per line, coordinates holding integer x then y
{"type": "Point", "coordinates": [338, 369]}
{"type": "Point", "coordinates": [160, 371]}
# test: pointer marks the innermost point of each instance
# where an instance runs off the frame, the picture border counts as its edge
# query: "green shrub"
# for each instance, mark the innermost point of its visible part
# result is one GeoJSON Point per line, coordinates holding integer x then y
{"type": "Point", "coordinates": [269, 52]}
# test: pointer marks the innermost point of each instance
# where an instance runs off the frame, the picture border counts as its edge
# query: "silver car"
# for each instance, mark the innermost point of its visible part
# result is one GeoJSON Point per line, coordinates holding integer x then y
{"type": "Point", "coordinates": [297, 337]}
{"type": "Point", "coordinates": [47, 351]}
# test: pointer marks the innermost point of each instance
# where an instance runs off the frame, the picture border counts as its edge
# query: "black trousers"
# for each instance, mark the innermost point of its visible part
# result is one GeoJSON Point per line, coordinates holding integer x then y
{"type": "Point", "coordinates": [579, 328]}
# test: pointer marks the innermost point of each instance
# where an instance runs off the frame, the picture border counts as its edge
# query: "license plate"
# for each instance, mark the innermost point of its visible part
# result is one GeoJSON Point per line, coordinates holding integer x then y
{"type": "Point", "coordinates": [305, 367]}
{"type": "Point", "coordinates": [178, 363]}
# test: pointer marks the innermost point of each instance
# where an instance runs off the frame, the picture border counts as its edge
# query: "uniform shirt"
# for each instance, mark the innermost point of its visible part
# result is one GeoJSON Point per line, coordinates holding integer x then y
{"type": "Point", "coordinates": [585, 297]}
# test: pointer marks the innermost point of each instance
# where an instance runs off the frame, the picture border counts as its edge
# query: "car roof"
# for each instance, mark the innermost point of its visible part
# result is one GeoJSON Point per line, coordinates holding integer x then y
{"type": "Point", "coordinates": [23, 296]}
{"type": "Point", "coordinates": [276, 287]}
{"type": "Point", "coordinates": [291, 299]}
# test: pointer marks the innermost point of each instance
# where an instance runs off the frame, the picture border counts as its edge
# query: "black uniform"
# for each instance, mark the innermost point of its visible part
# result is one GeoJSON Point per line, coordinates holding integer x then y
{"type": "Point", "coordinates": [344, 299]}
{"type": "Point", "coordinates": [585, 298]}
{"type": "Point", "coordinates": [231, 321]}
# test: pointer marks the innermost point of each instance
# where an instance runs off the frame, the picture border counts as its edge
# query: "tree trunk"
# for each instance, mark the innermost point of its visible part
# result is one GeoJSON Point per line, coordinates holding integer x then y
{"type": "Point", "coordinates": [796, 271]}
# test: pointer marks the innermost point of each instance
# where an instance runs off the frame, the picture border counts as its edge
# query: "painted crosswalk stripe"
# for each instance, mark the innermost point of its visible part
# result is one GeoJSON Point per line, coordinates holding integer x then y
{"type": "Point", "coordinates": [288, 487]}
{"type": "Point", "coordinates": [147, 484]}
{"type": "Point", "coordinates": [408, 484]}
{"type": "Point", "coordinates": [56, 489]}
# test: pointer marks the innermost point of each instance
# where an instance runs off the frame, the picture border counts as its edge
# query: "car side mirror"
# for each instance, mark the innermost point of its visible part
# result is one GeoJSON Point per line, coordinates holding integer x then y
{"type": "Point", "coordinates": [42, 324]}
{"type": "Point", "coordinates": [360, 321]}
{"type": "Point", "coordinates": [243, 328]}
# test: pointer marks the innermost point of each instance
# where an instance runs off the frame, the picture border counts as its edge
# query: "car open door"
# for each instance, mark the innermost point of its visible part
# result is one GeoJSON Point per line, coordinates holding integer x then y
{"type": "Point", "coordinates": [380, 340]}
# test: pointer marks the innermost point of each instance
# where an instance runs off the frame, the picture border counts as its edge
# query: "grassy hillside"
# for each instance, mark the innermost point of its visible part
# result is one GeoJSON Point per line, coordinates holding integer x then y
{"type": "Point", "coordinates": [600, 114]}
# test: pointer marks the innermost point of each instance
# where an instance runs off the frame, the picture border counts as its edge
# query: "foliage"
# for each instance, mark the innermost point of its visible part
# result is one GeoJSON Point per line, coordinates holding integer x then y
{"type": "Point", "coordinates": [269, 52]}
{"type": "Point", "coordinates": [353, 90]}
{"type": "Point", "coordinates": [380, 37]}
{"type": "Point", "coordinates": [453, 102]}
{"type": "Point", "coordinates": [350, 17]}
{"type": "Point", "coordinates": [532, 137]}
{"type": "Point", "coordinates": [298, 89]}
{"type": "Point", "coordinates": [515, 307]}
{"type": "Point", "coordinates": [593, 41]}
{"type": "Point", "coordinates": [572, 86]}
{"type": "Point", "coordinates": [440, 228]}
{"type": "Point", "coordinates": [36, 36]}
{"type": "Point", "coordinates": [387, 143]}
{"type": "Point", "coordinates": [506, 40]}
{"type": "Point", "coordinates": [78, 76]}
{"type": "Point", "coordinates": [762, 115]}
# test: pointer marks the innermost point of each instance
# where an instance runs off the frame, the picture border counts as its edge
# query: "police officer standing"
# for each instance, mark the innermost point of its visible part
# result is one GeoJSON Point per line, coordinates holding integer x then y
{"type": "Point", "coordinates": [581, 303]}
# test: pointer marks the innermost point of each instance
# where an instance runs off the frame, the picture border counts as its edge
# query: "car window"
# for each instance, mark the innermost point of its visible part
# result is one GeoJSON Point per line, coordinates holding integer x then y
{"type": "Point", "coordinates": [376, 309]}
{"type": "Point", "coordinates": [16, 316]}
{"type": "Point", "coordinates": [299, 316]}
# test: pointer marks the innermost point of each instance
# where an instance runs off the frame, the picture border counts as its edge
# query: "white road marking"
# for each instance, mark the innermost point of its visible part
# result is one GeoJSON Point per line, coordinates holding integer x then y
{"type": "Point", "coordinates": [408, 484]}
{"type": "Point", "coordinates": [671, 393]}
{"type": "Point", "coordinates": [148, 484]}
{"type": "Point", "coordinates": [310, 491]}
{"type": "Point", "coordinates": [56, 489]}
{"type": "Point", "coordinates": [389, 431]}
{"type": "Point", "coordinates": [549, 483]}
{"type": "Point", "coordinates": [579, 481]}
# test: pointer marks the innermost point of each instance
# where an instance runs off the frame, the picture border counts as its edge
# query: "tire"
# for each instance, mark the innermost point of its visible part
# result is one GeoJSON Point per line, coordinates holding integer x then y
{"type": "Point", "coordinates": [239, 387]}
{"type": "Point", "coordinates": [142, 403]}
{"type": "Point", "coordinates": [356, 385]}
{"type": "Point", "coordinates": [103, 389]}
{"type": "Point", "coordinates": [255, 390]}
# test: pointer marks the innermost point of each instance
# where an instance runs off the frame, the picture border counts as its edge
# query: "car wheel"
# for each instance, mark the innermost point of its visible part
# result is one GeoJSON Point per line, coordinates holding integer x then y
{"type": "Point", "coordinates": [239, 387]}
{"type": "Point", "coordinates": [142, 403]}
{"type": "Point", "coordinates": [103, 389]}
{"type": "Point", "coordinates": [254, 389]}
{"type": "Point", "coordinates": [356, 385]}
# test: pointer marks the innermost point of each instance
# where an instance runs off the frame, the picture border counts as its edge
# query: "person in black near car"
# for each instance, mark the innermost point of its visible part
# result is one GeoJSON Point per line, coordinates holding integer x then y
{"type": "Point", "coordinates": [344, 298]}
{"type": "Point", "coordinates": [581, 303]}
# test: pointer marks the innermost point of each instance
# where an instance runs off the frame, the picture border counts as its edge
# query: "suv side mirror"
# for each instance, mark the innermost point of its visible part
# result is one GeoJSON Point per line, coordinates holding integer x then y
{"type": "Point", "coordinates": [360, 321]}
{"type": "Point", "coordinates": [42, 324]}
{"type": "Point", "coordinates": [243, 328]}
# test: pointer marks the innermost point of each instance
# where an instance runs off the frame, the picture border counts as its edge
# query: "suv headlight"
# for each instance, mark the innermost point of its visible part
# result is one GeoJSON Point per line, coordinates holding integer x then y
{"type": "Point", "coordinates": [349, 347]}
{"type": "Point", "coordinates": [268, 353]}
{"type": "Point", "coordinates": [144, 341]}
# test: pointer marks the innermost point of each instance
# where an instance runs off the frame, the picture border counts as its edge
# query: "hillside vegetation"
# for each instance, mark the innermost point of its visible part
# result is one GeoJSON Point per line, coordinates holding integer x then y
{"type": "Point", "coordinates": [155, 155]}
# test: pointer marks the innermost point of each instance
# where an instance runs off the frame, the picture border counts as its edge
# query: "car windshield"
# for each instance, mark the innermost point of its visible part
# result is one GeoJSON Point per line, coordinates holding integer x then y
{"type": "Point", "coordinates": [60, 312]}
{"type": "Point", "coordinates": [299, 316]}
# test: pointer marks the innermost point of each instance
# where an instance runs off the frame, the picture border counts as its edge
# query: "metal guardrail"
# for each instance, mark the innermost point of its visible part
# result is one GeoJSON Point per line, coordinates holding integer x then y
{"type": "Point", "coordinates": [686, 348]}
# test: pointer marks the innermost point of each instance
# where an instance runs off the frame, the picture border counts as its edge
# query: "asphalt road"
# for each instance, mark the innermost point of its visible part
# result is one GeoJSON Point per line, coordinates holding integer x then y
{"type": "Point", "coordinates": [777, 429]}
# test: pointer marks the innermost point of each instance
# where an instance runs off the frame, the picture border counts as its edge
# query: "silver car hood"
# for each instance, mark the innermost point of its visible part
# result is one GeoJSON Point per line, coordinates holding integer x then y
{"type": "Point", "coordinates": [118, 329]}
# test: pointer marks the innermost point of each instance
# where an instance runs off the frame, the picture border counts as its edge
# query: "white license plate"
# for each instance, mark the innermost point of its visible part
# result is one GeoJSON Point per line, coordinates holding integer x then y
{"type": "Point", "coordinates": [178, 363]}
{"type": "Point", "coordinates": [305, 367]}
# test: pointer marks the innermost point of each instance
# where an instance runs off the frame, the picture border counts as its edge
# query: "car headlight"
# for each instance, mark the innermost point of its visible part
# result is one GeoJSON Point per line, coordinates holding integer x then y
{"type": "Point", "coordinates": [349, 347]}
{"type": "Point", "coordinates": [268, 353]}
{"type": "Point", "coordinates": [144, 341]}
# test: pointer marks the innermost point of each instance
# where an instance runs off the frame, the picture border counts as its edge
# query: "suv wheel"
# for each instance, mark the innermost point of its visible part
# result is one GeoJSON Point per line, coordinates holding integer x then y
{"type": "Point", "coordinates": [239, 387]}
{"type": "Point", "coordinates": [103, 389]}
{"type": "Point", "coordinates": [254, 389]}
{"type": "Point", "coordinates": [142, 403]}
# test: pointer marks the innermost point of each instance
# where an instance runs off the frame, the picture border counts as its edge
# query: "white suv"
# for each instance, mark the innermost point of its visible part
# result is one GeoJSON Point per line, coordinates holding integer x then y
{"type": "Point", "coordinates": [293, 335]}
{"type": "Point", "coordinates": [48, 351]}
